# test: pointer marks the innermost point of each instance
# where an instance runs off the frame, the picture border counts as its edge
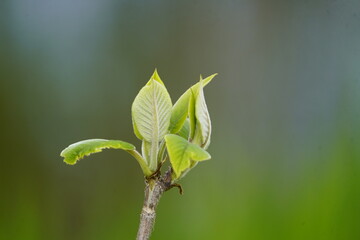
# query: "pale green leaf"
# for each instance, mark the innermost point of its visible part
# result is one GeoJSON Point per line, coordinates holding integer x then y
{"type": "Point", "coordinates": [182, 152]}
{"type": "Point", "coordinates": [78, 150]}
{"type": "Point", "coordinates": [180, 109]}
{"type": "Point", "coordinates": [185, 130]}
{"type": "Point", "coordinates": [202, 118]}
{"type": "Point", "coordinates": [157, 78]}
{"type": "Point", "coordinates": [151, 112]}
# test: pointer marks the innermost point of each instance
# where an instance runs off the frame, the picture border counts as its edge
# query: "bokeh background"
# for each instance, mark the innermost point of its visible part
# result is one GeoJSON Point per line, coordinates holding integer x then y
{"type": "Point", "coordinates": [285, 112]}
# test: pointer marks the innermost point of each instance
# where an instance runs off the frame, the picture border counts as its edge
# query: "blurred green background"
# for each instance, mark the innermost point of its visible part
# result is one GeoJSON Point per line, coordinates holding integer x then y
{"type": "Point", "coordinates": [285, 112]}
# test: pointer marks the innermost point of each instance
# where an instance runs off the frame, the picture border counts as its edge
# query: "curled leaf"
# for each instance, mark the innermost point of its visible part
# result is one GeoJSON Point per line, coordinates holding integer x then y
{"type": "Point", "coordinates": [185, 130]}
{"type": "Point", "coordinates": [180, 109]}
{"type": "Point", "coordinates": [203, 123]}
{"type": "Point", "coordinates": [77, 151]}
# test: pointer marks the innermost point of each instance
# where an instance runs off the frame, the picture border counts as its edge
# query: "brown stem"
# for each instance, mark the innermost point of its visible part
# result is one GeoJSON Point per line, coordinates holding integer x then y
{"type": "Point", "coordinates": [154, 188]}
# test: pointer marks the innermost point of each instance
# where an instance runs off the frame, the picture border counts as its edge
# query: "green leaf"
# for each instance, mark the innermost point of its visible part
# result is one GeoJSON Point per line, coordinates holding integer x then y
{"type": "Point", "coordinates": [157, 78]}
{"type": "Point", "coordinates": [185, 130]}
{"type": "Point", "coordinates": [182, 152]}
{"type": "Point", "coordinates": [192, 118]}
{"type": "Point", "coordinates": [151, 112]}
{"type": "Point", "coordinates": [180, 110]}
{"type": "Point", "coordinates": [202, 119]}
{"type": "Point", "coordinates": [77, 151]}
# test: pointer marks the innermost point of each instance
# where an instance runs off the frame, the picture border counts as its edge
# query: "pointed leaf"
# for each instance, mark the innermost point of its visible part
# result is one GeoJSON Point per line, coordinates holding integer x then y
{"type": "Point", "coordinates": [203, 118]}
{"type": "Point", "coordinates": [151, 112]}
{"type": "Point", "coordinates": [157, 78]}
{"type": "Point", "coordinates": [180, 109]}
{"type": "Point", "coordinates": [77, 151]}
{"type": "Point", "coordinates": [182, 152]}
{"type": "Point", "coordinates": [208, 79]}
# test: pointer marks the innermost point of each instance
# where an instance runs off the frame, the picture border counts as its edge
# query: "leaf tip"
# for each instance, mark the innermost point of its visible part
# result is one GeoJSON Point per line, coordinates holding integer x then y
{"type": "Point", "coordinates": [155, 76]}
{"type": "Point", "coordinates": [209, 77]}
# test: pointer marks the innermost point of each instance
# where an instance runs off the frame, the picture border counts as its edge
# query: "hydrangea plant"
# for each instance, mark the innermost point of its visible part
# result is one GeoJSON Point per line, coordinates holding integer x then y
{"type": "Point", "coordinates": [179, 133]}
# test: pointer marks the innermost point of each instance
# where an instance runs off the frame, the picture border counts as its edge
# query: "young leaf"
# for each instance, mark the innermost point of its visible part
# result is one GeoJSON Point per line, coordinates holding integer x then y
{"type": "Point", "coordinates": [77, 151]}
{"type": "Point", "coordinates": [203, 118]}
{"type": "Point", "coordinates": [179, 112]}
{"type": "Point", "coordinates": [192, 118]}
{"type": "Point", "coordinates": [185, 130]}
{"type": "Point", "coordinates": [180, 109]}
{"type": "Point", "coordinates": [182, 152]}
{"type": "Point", "coordinates": [151, 112]}
{"type": "Point", "coordinates": [157, 78]}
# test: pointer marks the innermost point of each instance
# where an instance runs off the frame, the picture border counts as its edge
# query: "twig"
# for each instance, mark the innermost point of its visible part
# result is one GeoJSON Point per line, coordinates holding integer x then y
{"type": "Point", "coordinates": [155, 187]}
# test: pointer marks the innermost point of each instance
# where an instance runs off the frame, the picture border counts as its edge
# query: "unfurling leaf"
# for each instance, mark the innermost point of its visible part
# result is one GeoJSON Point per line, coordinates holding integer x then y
{"type": "Point", "coordinates": [185, 130]}
{"type": "Point", "coordinates": [151, 112]}
{"type": "Point", "coordinates": [181, 107]}
{"type": "Point", "coordinates": [182, 153]}
{"type": "Point", "coordinates": [179, 112]}
{"type": "Point", "coordinates": [192, 118]}
{"type": "Point", "coordinates": [77, 151]}
{"type": "Point", "coordinates": [203, 123]}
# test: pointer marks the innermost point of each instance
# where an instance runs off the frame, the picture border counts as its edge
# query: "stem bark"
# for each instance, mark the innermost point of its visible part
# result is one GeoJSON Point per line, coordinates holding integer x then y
{"type": "Point", "coordinates": [154, 189]}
